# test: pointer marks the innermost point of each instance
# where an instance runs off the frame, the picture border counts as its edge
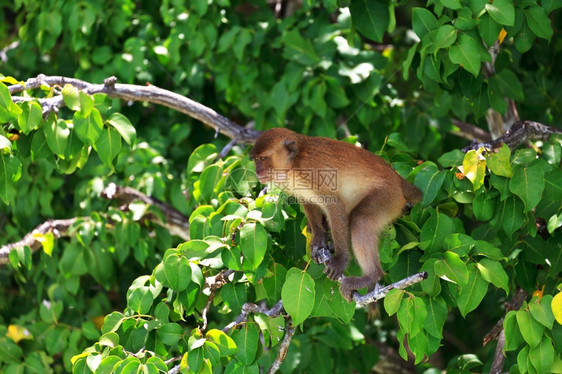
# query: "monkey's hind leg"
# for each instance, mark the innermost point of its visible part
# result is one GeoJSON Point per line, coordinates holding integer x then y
{"type": "Point", "coordinates": [367, 221]}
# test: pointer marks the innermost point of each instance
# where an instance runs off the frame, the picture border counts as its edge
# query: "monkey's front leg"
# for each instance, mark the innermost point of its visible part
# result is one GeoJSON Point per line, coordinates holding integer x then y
{"type": "Point", "coordinates": [319, 230]}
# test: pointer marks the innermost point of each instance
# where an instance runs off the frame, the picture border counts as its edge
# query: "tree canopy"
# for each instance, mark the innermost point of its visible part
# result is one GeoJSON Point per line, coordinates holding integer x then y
{"type": "Point", "coordinates": [136, 237]}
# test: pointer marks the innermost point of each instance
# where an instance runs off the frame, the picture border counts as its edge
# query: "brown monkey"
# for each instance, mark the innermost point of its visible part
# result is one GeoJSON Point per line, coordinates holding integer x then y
{"type": "Point", "coordinates": [357, 192]}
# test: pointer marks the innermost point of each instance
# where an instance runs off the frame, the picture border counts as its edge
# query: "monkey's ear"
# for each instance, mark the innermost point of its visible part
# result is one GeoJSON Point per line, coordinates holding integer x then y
{"type": "Point", "coordinates": [291, 147]}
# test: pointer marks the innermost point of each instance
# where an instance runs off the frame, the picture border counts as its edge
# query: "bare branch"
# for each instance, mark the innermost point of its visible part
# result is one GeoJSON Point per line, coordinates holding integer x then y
{"type": "Point", "coordinates": [497, 332]}
{"type": "Point", "coordinates": [133, 92]}
{"type": "Point", "coordinates": [176, 222]}
{"type": "Point", "coordinates": [248, 308]}
{"type": "Point", "coordinates": [58, 227]}
{"type": "Point", "coordinates": [470, 132]}
{"type": "Point", "coordinates": [379, 292]}
{"type": "Point", "coordinates": [519, 133]}
{"type": "Point", "coordinates": [214, 283]}
{"type": "Point", "coordinates": [283, 347]}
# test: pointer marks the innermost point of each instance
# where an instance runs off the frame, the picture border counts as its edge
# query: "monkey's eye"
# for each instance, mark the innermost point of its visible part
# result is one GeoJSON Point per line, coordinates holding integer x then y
{"type": "Point", "coordinates": [262, 158]}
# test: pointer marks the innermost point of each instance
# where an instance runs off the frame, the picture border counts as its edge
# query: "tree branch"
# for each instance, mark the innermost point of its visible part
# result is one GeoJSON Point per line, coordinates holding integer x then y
{"type": "Point", "coordinates": [133, 92]}
{"type": "Point", "coordinates": [33, 239]}
{"type": "Point", "coordinates": [175, 222]}
{"type": "Point", "coordinates": [283, 347]}
{"type": "Point", "coordinates": [519, 133]}
{"type": "Point", "coordinates": [497, 332]}
{"type": "Point", "coordinates": [379, 292]}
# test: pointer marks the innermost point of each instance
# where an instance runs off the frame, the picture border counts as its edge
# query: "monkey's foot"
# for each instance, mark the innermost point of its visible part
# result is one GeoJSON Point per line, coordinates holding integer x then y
{"type": "Point", "coordinates": [320, 253]}
{"type": "Point", "coordinates": [335, 267]}
{"type": "Point", "coordinates": [351, 284]}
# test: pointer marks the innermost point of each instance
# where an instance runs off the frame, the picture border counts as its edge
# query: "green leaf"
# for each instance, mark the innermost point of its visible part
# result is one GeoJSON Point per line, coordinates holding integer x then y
{"type": "Point", "coordinates": [465, 53]}
{"type": "Point", "coordinates": [513, 337]}
{"type": "Point", "coordinates": [493, 272]}
{"type": "Point", "coordinates": [484, 205]}
{"type": "Point", "coordinates": [177, 271]}
{"type": "Point", "coordinates": [472, 293]}
{"type": "Point", "coordinates": [524, 39]}
{"type": "Point", "coordinates": [429, 180]}
{"type": "Point", "coordinates": [70, 97]}
{"type": "Point", "coordinates": [112, 322]}
{"type": "Point", "coordinates": [499, 162]}
{"type": "Point", "coordinates": [247, 340]}
{"type": "Point", "coordinates": [89, 128]}
{"type": "Point", "coordinates": [435, 230]}
{"type": "Point", "coordinates": [451, 4]}
{"type": "Point", "coordinates": [224, 343]}
{"type": "Point", "coordinates": [274, 284]}
{"type": "Point", "coordinates": [445, 37]}
{"type": "Point", "coordinates": [452, 269]}
{"type": "Point", "coordinates": [510, 85]}
{"type": "Point", "coordinates": [392, 300]}
{"type": "Point", "coordinates": [370, 17]}
{"type": "Point", "coordinates": [298, 295]}
{"type": "Point", "coordinates": [531, 330]}
{"type": "Point", "coordinates": [464, 21]}
{"type": "Point", "coordinates": [452, 158]}
{"type": "Point", "coordinates": [108, 146]}
{"type": "Point", "coordinates": [170, 333]}
{"type": "Point", "coordinates": [489, 29]}
{"type": "Point", "coordinates": [140, 299]}
{"type": "Point", "coordinates": [502, 11]}
{"type": "Point", "coordinates": [423, 21]}
{"type": "Point", "coordinates": [538, 22]}
{"type": "Point", "coordinates": [528, 184]}
{"type": "Point", "coordinates": [57, 133]}
{"type": "Point", "coordinates": [299, 49]}
{"type": "Point", "coordinates": [86, 103]}
{"type": "Point", "coordinates": [9, 111]}
{"type": "Point", "coordinates": [542, 311]}
{"type": "Point", "coordinates": [201, 157]}
{"type": "Point", "coordinates": [10, 171]}
{"type": "Point", "coordinates": [234, 296]}
{"type": "Point", "coordinates": [253, 241]}
{"type": "Point", "coordinates": [30, 117]}
{"type": "Point", "coordinates": [509, 215]}
{"type": "Point", "coordinates": [436, 316]}
{"type": "Point", "coordinates": [542, 356]}
{"type": "Point", "coordinates": [497, 100]}
{"type": "Point", "coordinates": [124, 127]}
{"type": "Point", "coordinates": [460, 244]}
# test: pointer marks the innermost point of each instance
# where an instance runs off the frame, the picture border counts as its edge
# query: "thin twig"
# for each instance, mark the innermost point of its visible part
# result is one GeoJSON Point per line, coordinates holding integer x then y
{"type": "Point", "coordinates": [214, 283]}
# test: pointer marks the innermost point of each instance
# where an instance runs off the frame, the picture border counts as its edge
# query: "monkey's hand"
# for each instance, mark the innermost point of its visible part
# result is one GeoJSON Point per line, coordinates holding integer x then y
{"type": "Point", "coordinates": [335, 267]}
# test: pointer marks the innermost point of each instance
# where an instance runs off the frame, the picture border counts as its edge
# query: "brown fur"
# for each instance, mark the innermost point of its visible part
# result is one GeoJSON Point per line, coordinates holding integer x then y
{"type": "Point", "coordinates": [367, 195]}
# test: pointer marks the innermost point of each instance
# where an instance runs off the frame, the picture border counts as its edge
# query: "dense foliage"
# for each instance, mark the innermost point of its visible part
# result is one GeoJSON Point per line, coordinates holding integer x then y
{"type": "Point", "coordinates": [122, 293]}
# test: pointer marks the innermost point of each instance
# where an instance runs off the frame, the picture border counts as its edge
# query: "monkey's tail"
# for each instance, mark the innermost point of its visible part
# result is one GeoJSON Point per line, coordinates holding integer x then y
{"type": "Point", "coordinates": [412, 194]}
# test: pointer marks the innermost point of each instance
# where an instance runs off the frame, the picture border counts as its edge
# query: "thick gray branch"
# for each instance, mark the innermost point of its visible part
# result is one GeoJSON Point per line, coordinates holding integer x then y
{"type": "Point", "coordinates": [133, 92]}
{"type": "Point", "coordinates": [379, 292]}
{"type": "Point", "coordinates": [519, 133]}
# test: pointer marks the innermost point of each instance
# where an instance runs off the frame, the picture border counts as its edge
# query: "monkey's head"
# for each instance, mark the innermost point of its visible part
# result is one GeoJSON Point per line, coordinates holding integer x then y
{"type": "Point", "coordinates": [274, 153]}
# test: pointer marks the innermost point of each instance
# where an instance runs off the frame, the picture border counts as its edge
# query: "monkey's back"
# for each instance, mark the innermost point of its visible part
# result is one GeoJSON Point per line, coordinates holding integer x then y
{"type": "Point", "coordinates": [357, 170]}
